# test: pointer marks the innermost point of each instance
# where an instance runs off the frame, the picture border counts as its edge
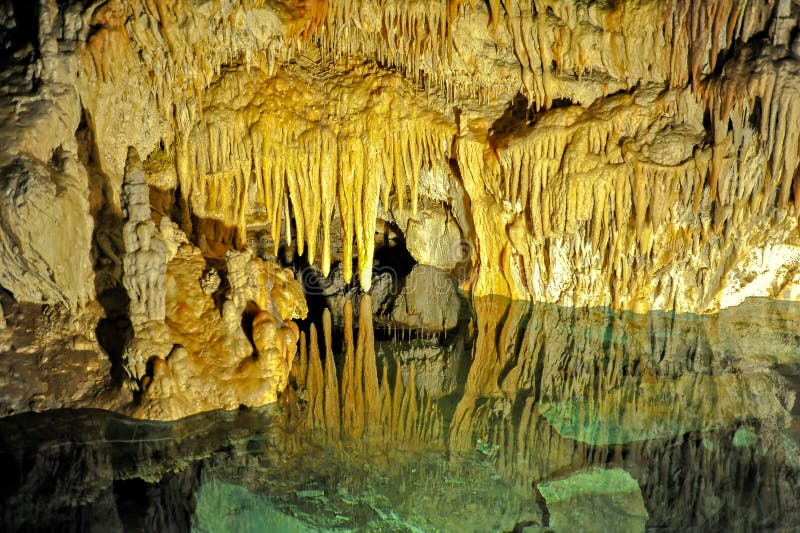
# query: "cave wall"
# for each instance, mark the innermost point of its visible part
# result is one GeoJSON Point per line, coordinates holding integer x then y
{"type": "Point", "coordinates": [636, 154]}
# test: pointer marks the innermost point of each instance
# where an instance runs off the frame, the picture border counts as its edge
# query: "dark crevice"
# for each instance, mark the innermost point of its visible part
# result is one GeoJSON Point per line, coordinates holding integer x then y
{"type": "Point", "coordinates": [114, 330]}
{"type": "Point", "coordinates": [516, 115]}
{"type": "Point", "coordinates": [251, 310]}
{"type": "Point", "coordinates": [26, 18]}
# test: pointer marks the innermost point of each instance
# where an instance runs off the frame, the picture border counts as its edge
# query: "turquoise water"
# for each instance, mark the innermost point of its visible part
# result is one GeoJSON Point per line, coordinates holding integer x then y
{"type": "Point", "coordinates": [523, 418]}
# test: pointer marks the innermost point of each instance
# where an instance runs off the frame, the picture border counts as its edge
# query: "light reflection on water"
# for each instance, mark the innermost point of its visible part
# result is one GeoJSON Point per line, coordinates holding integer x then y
{"type": "Point", "coordinates": [526, 416]}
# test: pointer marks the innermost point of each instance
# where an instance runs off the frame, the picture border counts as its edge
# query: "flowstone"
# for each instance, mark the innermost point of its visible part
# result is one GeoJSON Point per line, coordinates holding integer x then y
{"type": "Point", "coordinates": [186, 355]}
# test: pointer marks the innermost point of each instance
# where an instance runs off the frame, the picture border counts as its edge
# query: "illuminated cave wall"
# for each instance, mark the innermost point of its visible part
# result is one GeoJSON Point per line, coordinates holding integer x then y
{"type": "Point", "coordinates": [637, 154]}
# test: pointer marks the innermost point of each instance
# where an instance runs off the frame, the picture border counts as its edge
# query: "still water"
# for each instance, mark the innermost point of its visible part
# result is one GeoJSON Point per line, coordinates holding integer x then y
{"type": "Point", "coordinates": [524, 417]}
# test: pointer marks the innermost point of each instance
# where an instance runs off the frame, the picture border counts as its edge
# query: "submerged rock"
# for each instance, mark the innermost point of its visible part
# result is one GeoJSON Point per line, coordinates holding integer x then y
{"type": "Point", "coordinates": [597, 500]}
{"type": "Point", "coordinates": [226, 507]}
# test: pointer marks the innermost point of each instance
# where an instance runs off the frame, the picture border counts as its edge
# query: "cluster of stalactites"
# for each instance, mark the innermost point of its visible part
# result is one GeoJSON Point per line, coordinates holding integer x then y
{"type": "Point", "coordinates": [302, 166]}
{"type": "Point", "coordinates": [364, 404]}
{"type": "Point", "coordinates": [579, 178]}
{"type": "Point", "coordinates": [636, 178]}
{"type": "Point", "coordinates": [548, 50]}
{"type": "Point", "coordinates": [758, 94]}
{"type": "Point", "coordinates": [412, 36]}
{"type": "Point", "coordinates": [553, 40]}
{"type": "Point", "coordinates": [546, 383]}
{"type": "Point", "coordinates": [182, 48]}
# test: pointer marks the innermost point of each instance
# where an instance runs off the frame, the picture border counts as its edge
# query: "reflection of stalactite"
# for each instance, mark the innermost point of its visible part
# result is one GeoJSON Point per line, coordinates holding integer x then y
{"type": "Point", "coordinates": [365, 407]}
{"type": "Point", "coordinates": [719, 487]}
{"type": "Point", "coordinates": [553, 390]}
{"type": "Point", "coordinates": [331, 397]}
{"type": "Point", "coordinates": [551, 386]}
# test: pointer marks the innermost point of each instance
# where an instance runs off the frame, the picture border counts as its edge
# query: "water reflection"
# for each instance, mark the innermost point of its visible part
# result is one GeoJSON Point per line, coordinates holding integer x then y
{"type": "Point", "coordinates": [525, 416]}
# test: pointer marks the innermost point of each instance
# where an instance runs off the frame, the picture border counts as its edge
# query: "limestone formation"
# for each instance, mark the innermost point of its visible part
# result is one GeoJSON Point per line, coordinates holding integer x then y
{"type": "Point", "coordinates": [429, 300]}
{"type": "Point", "coordinates": [433, 236]}
{"type": "Point", "coordinates": [46, 225]}
{"type": "Point", "coordinates": [145, 261]}
{"type": "Point", "coordinates": [594, 170]}
{"type": "Point", "coordinates": [205, 356]}
{"type": "Point", "coordinates": [245, 352]}
{"type": "Point", "coordinates": [45, 230]}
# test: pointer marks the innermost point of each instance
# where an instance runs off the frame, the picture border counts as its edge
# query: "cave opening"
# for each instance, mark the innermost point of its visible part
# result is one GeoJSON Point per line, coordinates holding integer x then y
{"type": "Point", "coordinates": [392, 263]}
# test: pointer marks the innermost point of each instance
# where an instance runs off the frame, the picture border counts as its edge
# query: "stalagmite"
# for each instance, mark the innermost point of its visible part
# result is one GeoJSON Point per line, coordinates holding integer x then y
{"type": "Point", "coordinates": [145, 259]}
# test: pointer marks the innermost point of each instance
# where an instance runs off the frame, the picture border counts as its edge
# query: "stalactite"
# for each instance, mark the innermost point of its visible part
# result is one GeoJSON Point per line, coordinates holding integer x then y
{"type": "Point", "coordinates": [369, 378]}
{"type": "Point", "coordinates": [315, 384]}
{"type": "Point", "coordinates": [350, 409]}
{"type": "Point", "coordinates": [569, 188]}
{"type": "Point", "coordinates": [300, 369]}
{"type": "Point", "coordinates": [301, 167]}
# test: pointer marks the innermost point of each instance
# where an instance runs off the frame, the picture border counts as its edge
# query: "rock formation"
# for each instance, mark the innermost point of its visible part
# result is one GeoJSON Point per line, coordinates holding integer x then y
{"type": "Point", "coordinates": [624, 154]}
{"type": "Point", "coordinates": [185, 354]}
{"type": "Point", "coordinates": [428, 300]}
{"type": "Point", "coordinates": [204, 356]}
{"type": "Point", "coordinates": [145, 261]}
{"type": "Point", "coordinates": [634, 155]}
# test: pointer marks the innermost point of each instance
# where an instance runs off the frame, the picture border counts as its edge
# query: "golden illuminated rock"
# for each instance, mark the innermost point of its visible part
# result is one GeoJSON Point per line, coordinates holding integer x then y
{"type": "Point", "coordinates": [186, 354]}
{"type": "Point", "coordinates": [625, 177]}
{"type": "Point", "coordinates": [637, 155]}
{"type": "Point", "coordinates": [207, 357]}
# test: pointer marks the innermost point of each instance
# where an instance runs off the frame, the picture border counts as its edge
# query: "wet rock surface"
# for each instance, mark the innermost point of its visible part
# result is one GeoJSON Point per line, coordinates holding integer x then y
{"type": "Point", "coordinates": [595, 500]}
{"type": "Point", "coordinates": [429, 300]}
{"type": "Point", "coordinates": [50, 359]}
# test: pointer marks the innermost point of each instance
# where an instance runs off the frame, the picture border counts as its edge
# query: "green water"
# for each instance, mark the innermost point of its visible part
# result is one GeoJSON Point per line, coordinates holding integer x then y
{"type": "Point", "coordinates": [524, 418]}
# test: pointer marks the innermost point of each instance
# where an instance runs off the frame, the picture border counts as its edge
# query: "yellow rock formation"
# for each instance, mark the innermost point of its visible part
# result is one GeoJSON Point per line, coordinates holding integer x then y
{"type": "Point", "coordinates": [240, 354]}
{"type": "Point", "coordinates": [631, 154]}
